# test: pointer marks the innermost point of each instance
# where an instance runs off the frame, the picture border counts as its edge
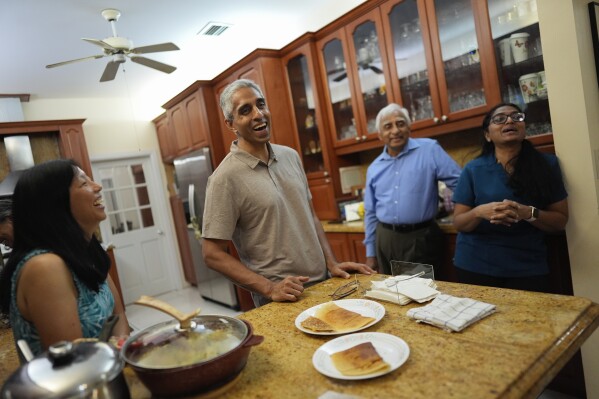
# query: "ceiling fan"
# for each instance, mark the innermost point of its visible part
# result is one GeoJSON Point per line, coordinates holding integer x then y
{"type": "Point", "coordinates": [119, 48]}
{"type": "Point", "coordinates": [364, 60]}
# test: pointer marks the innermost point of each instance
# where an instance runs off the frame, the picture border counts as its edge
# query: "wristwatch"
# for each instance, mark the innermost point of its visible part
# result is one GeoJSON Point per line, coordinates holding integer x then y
{"type": "Point", "coordinates": [534, 214]}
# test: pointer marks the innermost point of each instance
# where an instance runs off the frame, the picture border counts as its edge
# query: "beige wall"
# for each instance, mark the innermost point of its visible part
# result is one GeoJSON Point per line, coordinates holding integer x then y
{"type": "Point", "coordinates": [574, 105]}
{"type": "Point", "coordinates": [110, 124]}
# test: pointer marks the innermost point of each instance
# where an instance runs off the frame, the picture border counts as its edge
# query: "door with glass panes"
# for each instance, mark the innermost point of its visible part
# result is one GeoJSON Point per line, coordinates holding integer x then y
{"type": "Point", "coordinates": [134, 226]}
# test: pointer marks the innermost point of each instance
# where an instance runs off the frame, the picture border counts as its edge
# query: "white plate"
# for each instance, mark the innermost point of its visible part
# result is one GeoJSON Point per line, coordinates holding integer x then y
{"type": "Point", "coordinates": [392, 349]}
{"type": "Point", "coordinates": [362, 306]}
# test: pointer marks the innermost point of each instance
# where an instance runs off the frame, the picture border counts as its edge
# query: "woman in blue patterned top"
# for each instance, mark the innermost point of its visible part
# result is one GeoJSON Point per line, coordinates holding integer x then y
{"type": "Point", "coordinates": [55, 285]}
{"type": "Point", "coordinates": [506, 200]}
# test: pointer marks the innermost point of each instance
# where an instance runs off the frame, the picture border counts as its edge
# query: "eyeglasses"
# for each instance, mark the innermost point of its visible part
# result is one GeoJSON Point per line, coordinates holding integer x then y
{"type": "Point", "coordinates": [500, 119]}
{"type": "Point", "coordinates": [346, 289]}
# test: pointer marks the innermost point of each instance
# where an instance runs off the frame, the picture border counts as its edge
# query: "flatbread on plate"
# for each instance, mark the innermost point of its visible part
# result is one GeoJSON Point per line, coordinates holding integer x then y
{"type": "Point", "coordinates": [315, 324]}
{"type": "Point", "coordinates": [341, 319]}
{"type": "Point", "coordinates": [361, 359]}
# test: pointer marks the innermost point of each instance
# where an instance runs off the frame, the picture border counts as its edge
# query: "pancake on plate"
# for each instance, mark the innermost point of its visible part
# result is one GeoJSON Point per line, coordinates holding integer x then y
{"type": "Point", "coordinates": [341, 319]}
{"type": "Point", "coordinates": [361, 359]}
{"type": "Point", "coordinates": [315, 324]}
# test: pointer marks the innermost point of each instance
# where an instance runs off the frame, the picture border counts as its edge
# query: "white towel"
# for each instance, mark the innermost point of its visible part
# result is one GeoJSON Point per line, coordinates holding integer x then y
{"type": "Point", "coordinates": [451, 313]}
{"type": "Point", "coordinates": [402, 291]}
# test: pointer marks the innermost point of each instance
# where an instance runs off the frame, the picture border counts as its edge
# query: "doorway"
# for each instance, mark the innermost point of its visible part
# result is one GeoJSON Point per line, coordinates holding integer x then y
{"type": "Point", "coordinates": [137, 225]}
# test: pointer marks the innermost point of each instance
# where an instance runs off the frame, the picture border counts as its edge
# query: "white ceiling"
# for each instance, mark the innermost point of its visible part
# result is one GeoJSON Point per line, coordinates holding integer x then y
{"type": "Point", "coordinates": [40, 32]}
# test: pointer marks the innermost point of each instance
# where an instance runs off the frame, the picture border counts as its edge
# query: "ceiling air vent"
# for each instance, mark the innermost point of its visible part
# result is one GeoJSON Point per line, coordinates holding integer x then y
{"type": "Point", "coordinates": [214, 29]}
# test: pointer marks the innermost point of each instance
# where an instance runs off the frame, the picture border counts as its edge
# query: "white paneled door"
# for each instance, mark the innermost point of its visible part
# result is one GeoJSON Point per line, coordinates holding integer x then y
{"type": "Point", "coordinates": [137, 225]}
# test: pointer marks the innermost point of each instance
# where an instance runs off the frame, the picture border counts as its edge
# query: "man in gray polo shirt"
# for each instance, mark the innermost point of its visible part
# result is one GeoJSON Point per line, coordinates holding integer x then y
{"type": "Point", "coordinates": [258, 197]}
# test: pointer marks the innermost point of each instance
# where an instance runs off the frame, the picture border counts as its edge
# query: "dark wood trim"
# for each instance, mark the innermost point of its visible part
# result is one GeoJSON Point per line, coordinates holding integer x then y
{"type": "Point", "coordinates": [37, 126]}
{"type": "Point", "coordinates": [24, 98]}
{"type": "Point", "coordinates": [189, 90]}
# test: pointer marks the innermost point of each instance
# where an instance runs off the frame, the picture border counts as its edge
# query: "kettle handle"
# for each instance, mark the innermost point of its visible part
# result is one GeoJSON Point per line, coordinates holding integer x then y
{"type": "Point", "coordinates": [25, 350]}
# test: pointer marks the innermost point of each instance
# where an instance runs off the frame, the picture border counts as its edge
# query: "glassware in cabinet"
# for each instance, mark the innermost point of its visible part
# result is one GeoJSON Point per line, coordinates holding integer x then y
{"type": "Point", "coordinates": [519, 55]}
{"type": "Point", "coordinates": [302, 97]}
{"type": "Point", "coordinates": [460, 55]}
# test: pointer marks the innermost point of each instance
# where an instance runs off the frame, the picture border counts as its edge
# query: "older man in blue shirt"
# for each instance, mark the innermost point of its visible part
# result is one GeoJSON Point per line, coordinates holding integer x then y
{"type": "Point", "coordinates": [401, 194]}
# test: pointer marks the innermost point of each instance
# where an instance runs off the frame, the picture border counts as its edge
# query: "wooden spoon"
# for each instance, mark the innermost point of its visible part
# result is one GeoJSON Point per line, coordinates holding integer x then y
{"type": "Point", "coordinates": [183, 318]}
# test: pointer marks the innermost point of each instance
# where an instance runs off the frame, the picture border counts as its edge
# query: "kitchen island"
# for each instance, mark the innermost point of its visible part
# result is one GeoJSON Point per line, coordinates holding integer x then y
{"type": "Point", "coordinates": [513, 353]}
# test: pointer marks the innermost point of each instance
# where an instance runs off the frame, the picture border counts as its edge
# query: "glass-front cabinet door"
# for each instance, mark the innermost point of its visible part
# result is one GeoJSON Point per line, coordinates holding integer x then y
{"type": "Point", "coordinates": [519, 56]}
{"type": "Point", "coordinates": [302, 97]}
{"type": "Point", "coordinates": [371, 70]}
{"type": "Point", "coordinates": [411, 57]}
{"type": "Point", "coordinates": [341, 107]}
{"type": "Point", "coordinates": [307, 113]}
{"type": "Point", "coordinates": [459, 53]}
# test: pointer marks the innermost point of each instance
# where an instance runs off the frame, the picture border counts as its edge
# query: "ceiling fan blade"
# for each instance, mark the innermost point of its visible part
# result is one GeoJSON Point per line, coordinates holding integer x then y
{"type": "Point", "coordinates": [100, 43]}
{"type": "Point", "coordinates": [76, 60]}
{"type": "Point", "coordinates": [375, 69]}
{"type": "Point", "coordinates": [154, 64]}
{"type": "Point", "coordinates": [334, 71]}
{"type": "Point", "coordinates": [155, 48]}
{"type": "Point", "coordinates": [110, 71]}
{"type": "Point", "coordinates": [340, 77]}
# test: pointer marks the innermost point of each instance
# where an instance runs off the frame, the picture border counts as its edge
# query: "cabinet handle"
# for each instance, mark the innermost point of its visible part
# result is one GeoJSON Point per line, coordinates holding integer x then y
{"type": "Point", "coordinates": [444, 118]}
{"type": "Point", "coordinates": [326, 173]}
{"type": "Point", "coordinates": [436, 120]}
{"type": "Point", "coordinates": [357, 138]}
{"type": "Point", "coordinates": [363, 137]}
{"type": "Point", "coordinates": [327, 180]}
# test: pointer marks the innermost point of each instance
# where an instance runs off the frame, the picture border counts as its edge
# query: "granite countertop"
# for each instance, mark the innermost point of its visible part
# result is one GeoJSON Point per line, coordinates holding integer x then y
{"type": "Point", "coordinates": [513, 353]}
{"type": "Point", "coordinates": [358, 227]}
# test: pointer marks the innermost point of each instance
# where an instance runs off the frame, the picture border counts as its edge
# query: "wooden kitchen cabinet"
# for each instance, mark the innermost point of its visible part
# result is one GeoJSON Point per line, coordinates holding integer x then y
{"type": "Point", "coordinates": [166, 141]}
{"type": "Point", "coordinates": [359, 249]}
{"type": "Point", "coordinates": [323, 198]}
{"type": "Point", "coordinates": [339, 245]}
{"type": "Point", "coordinates": [188, 121]}
{"type": "Point", "coordinates": [348, 247]}
{"type": "Point", "coordinates": [183, 240]}
{"type": "Point", "coordinates": [68, 134]}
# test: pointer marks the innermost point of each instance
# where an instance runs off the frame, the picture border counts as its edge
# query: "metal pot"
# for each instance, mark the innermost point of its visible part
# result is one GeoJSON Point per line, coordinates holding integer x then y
{"type": "Point", "coordinates": [172, 361]}
{"type": "Point", "coordinates": [70, 370]}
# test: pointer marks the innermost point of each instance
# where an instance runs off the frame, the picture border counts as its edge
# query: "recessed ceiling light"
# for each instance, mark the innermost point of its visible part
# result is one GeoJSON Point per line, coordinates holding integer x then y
{"type": "Point", "coordinates": [214, 29]}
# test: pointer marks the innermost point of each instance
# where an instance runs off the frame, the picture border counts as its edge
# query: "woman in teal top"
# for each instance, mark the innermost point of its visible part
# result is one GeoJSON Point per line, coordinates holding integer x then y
{"type": "Point", "coordinates": [506, 200]}
{"type": "Point", "coordinates": [55, 285]}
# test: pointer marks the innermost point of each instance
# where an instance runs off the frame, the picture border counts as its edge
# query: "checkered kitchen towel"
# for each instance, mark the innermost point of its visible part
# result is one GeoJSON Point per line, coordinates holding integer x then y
{"type": "Point", "coordinates": [451, 313]}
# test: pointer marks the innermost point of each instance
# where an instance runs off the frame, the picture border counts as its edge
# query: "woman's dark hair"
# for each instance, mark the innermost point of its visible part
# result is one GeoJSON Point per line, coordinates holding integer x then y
{"type": "Point", "coordinates": [42, 219]}
{"type": "Point", "coordinates": [5, 209]}
{"type": "Point", "coordinates": [532, 178]}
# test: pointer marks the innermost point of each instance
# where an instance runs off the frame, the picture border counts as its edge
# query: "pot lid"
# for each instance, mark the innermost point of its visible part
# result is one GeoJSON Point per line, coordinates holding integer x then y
{"type": "Point", "coordinates": [65, 370]}
{"type": "Point", "coordinates": [166, 345]}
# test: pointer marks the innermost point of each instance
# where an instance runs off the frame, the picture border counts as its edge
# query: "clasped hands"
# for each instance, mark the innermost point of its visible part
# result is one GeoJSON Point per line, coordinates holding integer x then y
{"type": "Point", "coordinates": [506, 212]}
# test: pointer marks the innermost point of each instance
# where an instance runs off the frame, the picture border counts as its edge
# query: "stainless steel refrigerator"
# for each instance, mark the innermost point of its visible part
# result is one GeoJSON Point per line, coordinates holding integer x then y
{"type": "Point", "coordinates": [191, 178]}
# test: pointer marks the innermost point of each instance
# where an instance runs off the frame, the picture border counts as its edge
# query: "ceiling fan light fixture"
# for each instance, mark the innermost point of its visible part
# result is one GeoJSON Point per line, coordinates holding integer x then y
{"type": "Point", "coordinates": [120, 58]}
{"type": "Point", "coordinates": [118, 42]}
{"type": "Point", "coordinates": [214, 29]}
